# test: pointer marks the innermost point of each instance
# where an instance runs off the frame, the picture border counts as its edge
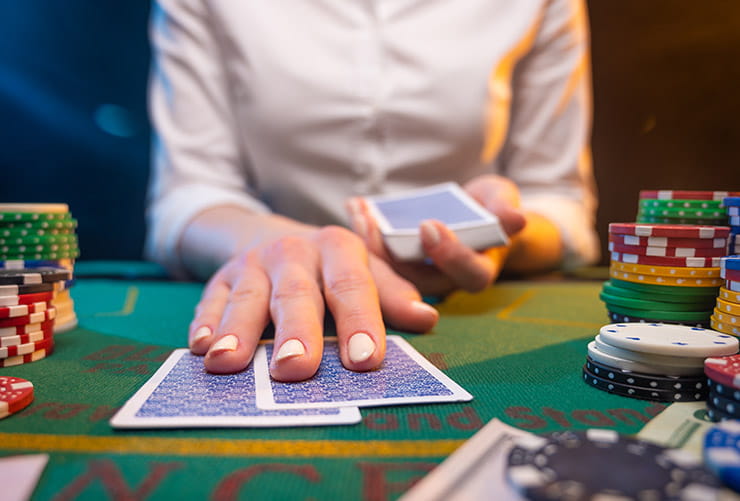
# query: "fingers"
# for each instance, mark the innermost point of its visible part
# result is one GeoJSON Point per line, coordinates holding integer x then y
{"type": "Point", "coordinates": [400, 301]}
{"type": "Point", "coordinates": [501, 197]}
{"type": "Point", "coordinates": [351, 295]}
{"type": "Point", "coordinates": [363, 223]}
{"type": "Point", "coordinates": [297, 309]}
{"type": "Point", "coordinates": [208, 313]}
{"type": "Point", "coordinates": [244, 316]}
{"type": "Point", "coordinates": [468, 269]}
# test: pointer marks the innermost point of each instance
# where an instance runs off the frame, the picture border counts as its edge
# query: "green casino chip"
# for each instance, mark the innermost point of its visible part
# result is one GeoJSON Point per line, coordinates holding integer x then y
{"type": "Point", "coordinates": [671, 316]}
{"type": "Point", "coordinates": [694, 213]}
{"type": "Point", "coordinates": [696, 292]}
{"type": "Point", "coordinates": [33, 232]}
{"type": "Point", "coordinates": [40, 256]}
{"type": "Point", "coordinates": [65, 238]}
{"type": "Point", "coordinates": [652, 203]}
{"type": "Point", "coordinates": [642, 304]}
{"type": "Point", "coordinates": [670, 220]}
{"type": "Point", "coordinates": [67, 224]}
{"type": "Point", "coordinates": [701, 301]}
{"type": "Point", "coordinates": [14, 217]}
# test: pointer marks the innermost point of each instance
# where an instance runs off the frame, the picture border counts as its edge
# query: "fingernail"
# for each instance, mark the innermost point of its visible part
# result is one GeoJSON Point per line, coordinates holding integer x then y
{"type": "Point", "coordinates": [426, 308]}
{"type": "Point", "coordinates": [429, 233]}
{"type": "Point", "coordinates": [200, 334]}
{"type": "Point", "coordinates": [226, 343]}
{"type": "Point", "coordinates": [361, 347]}
{"type": "Point", "coordinates": [291, 348]}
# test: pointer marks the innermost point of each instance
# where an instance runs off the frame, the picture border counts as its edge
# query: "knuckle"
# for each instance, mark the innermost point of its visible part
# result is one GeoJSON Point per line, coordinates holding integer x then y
{"type": "Point", "coordinates": [294, 288]}
{"type": "Point", "coordinates": [348, 281]}
{"type": "Point", "coordinates": [335, 235]}
{"type": "Point", "coordinates": [243, 295]}
{"type": "Point", "coordinates": [287, 248]}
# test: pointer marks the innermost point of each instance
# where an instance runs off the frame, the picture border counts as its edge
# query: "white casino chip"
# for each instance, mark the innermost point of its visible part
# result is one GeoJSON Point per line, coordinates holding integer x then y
{"type": "Point", "coordinates": [669, 339]}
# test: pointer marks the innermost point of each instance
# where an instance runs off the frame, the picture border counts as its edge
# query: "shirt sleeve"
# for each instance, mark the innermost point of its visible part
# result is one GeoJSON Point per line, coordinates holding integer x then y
{"type": "Point", "coordinates": [196, 159]}
{"type": "Point", "coordinates": [547, 150]}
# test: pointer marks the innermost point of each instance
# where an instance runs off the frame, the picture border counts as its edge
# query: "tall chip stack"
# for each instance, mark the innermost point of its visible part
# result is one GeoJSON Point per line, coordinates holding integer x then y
{"type": "Point", "coordinates": [726, 317]}
{"type": "Point", "coordinates": [665, 266]}
{"type": "Point", "coordinates": [34, 236]}
{"type": "Point", "coordinates": [732, 206]}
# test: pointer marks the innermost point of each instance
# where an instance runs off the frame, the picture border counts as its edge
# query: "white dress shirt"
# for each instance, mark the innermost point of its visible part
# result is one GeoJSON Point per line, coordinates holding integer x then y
{"type": "Point", "coordinates": [292, 106]}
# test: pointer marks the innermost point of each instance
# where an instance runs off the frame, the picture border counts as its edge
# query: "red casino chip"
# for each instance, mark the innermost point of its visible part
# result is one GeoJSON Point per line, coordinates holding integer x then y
{"type": "Point", "coordinates": [13, 299]}
{"type": "Point", "coordinates": [26, 348]}
{"type": "Point", "coordinates": [669, 230]}
{"type": "Point", "coordinates": [686, 195]}
{"type": "Point", "coordinates": [15, 395]}
{"type": "Point", "coordinates": [666, 251]}
{"type": "Point", "coordinates": [682, 262]}
{"type": "Point", "coordinates": [20, 310]}
{"type": "Point", "coordinates": [696, 243]}
{"type": "Point", "coordinates": [724, 370]}
{"type": "Point", "coordinates": [18, 330]}
{"type": "Point", "coordinates": [33, 318]}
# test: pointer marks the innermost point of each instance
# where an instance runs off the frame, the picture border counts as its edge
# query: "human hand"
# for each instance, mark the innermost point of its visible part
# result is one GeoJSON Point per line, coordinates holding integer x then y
{"type": "Point", "coordinates": [456, 266]}
{"type": "Point", "coordinates": [290, 280]}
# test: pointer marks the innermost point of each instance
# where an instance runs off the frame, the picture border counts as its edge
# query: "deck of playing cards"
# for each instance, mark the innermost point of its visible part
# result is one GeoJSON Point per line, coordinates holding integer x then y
{"type": "Point", "coordinates": [181, 394]}
{"type": "Point", "coordinates": [399, 215]}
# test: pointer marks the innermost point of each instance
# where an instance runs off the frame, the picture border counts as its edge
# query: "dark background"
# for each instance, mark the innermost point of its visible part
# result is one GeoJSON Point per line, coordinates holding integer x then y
{"type": "Point", "coordinates": [74, 126]}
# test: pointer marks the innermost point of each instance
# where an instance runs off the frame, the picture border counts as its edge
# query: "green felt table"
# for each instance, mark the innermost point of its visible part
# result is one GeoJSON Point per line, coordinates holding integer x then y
{"type": "Point", "coordinates": [518, 348]}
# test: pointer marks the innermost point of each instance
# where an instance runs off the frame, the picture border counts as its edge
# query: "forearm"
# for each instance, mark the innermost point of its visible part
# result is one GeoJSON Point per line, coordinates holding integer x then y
{"type": "Point", "coordinates": [537, 248]}
{"type": "Point", "coordinates": [215, 235]}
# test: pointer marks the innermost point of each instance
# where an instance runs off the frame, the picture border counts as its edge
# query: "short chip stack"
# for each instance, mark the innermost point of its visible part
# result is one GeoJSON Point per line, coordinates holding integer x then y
{"type": "Point", "coordinates": [723, 400]}
{"type": "Point", "coordinates": [726, 317]}
{"type": "Point", "coordinates": [722, 452]}
{"type": "Point", "coordinates": [42, 235]}
{"type": "Point", "coordinates": [664, 272]}
{"type": "Point", "coordinates": [27, 313]}
{"type": "Point", "coordinates": [658, 362]}
{"type": "Point", "coordinates": [683, 207]}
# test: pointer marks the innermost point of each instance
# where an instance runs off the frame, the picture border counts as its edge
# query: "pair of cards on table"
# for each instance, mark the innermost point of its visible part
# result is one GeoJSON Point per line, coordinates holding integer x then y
{"type": "Point", "coordinates": [181, 394]}
{"type": "Point", "coordinates": [399, 215]}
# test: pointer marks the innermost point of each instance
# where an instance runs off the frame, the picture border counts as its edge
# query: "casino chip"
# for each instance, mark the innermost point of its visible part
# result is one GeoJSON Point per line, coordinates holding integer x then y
{"type": "Point", "coordinates": [687, 195]}
{"type": "Point", "coordinates": [673, 340]}
{"type": "Point", "coordinates": [722, 452]}
{"type": "Point", "coordinates": [15, 395]}
{"type": "Point", "coordinates": [601, 464]}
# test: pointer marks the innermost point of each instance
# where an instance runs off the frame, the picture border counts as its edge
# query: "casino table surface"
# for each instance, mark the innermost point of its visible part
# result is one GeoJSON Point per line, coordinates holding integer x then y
{"type": "Point", "coordinates": [518, 348]}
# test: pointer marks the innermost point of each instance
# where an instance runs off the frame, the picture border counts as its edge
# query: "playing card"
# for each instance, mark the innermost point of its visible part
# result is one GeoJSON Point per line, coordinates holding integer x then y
{"type": "Point", "coordinates": [399, 215]}
{"type": "Point", "coordinates": [181, 394]}
{"type": "Point", "coordinates": [405, 377]}
{"type": "Point", "coordinates": [477, 470]}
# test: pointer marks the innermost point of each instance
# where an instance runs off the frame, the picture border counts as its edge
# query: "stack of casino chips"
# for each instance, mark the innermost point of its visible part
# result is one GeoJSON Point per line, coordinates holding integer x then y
{"type": "Point", "coordinates": [683, 207]}
{"type": "Point", "coordinates": [732, 206]}
{"type": "Point", "coordinates": [658, 362]}
{"type": "Point", "coordinates": [27, 313]}
{"type": "Point", "coordinates": [721, 452]}
{"type": "Point", "coordinates": [601, 464]}
{"type": "Point", "coordinates": [723, 401]}
{"type": "Point", "coordinates": [664, 272]}
{"type": "Point", "coordinates": [726, 317]}
{"type": "Point", "coordinates": [42, 235]}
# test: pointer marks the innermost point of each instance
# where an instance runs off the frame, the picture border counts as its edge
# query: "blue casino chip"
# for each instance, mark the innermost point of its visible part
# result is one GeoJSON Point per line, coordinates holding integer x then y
{"type": "Point", "coordinates": [722, 452]}
{"type": "Point", "coordinates": [730, 262]}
